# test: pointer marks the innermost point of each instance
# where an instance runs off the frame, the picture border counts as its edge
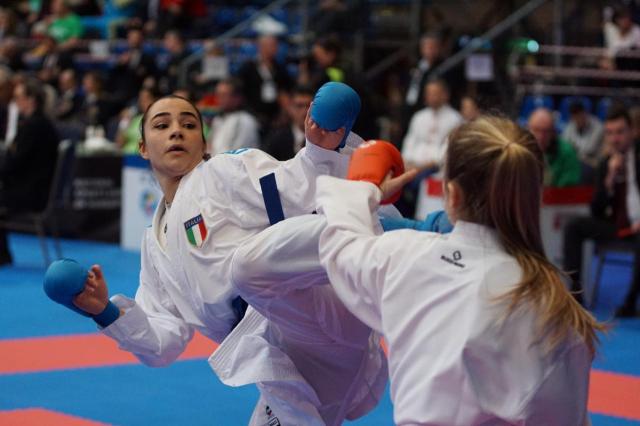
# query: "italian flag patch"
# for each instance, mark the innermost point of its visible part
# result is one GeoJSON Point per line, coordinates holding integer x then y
{"type": "Point", "coordinates": [196, 230]}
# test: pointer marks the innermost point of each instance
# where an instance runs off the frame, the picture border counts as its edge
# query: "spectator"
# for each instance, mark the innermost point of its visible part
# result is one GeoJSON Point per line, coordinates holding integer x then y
{"type": "Point", "coordinates": [97, 108]}
{"type": "Point", "coordinates": [29, 162]}
{"type": "Point", "coordinates": [426, 141]}
{"type": "Point", "coordinates": [70, 98]}
{"type": "Point", "coordinates": [430, 57]}
{"type": "Point", "coordinates": [8, 108]}
{"type": "Point", "coordinates": [634, 113]}
{"type": "Point", "coordinates": [213, 67]}
{"type": "Point", "coordinates": [174, 44]}
{"type": "Point", "coordinates": [11, 54]}
{"type": "Point", "coordinates": [469, 108]}
{"type": "Point", "coordinates": [233, 127]}
{"type": "Point", "coordinates": [283, 142]}
{"type": "Point", "coordinates": [584, 132]}
{"type": "Point", "coordinates": [51, 60]}
{"type": "Point", "coordinates": [128, 135]}
{"type": "Point", "coordinates": [62, 24]}
{"type": "Point", "coordinates": [425, 144]}
{"type": "Point", "coordinates": [562, 167]}
{"type": "Point", "coordinates": [133, 66]}
{"type": "Point", "coordinates": [326, 64]}
{"type": "Point", "coordinates": [8, 23]}
{"type": "Point", "coordinates": [68, 106]}
{"type": "Point", "coordinates": [265, 80]}
{"type": "Point", "coordinates": [615, 206]}
{"type": "Point", "coordinates": [619, 35]}
{"type": "Point", "coordinates": [185, 15]}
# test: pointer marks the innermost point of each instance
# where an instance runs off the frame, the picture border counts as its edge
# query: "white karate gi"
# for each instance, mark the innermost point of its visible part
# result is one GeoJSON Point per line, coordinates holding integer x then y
{"type": "Point", "coordinates": [187, 287]}
{"type": "Point", "coordinates": [452, 360]}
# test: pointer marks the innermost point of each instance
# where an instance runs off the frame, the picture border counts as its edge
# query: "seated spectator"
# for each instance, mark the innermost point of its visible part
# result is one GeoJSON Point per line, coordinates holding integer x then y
{"type": "Point", "coordinates": [133, 66]}
{"type": "Point", "coordinates": [8, 108]}
{"type": "Point", "coordinates": [8, 23]}
{"type": "Point", "coordinates": [11, 54]}
{"type": "Point", "coordinates": [584, 132]}
{"type": "Point", "coordinates": [29, 162]}
{"type": "Point", "coordinates": [67, 110]}
{"type": "Point", "coordinates": [128, 135]}
{"type": "Point", "coordinates": [70, 97]}
{"type": "Point", "coordinates": [98, 107]}
{"type": "Point", "coordinates": [61, 24]}
{"type": "Point", "coordinates": [284, 141]}
{"type": "Point", "coordinates": [213, 67]}
{"type": "Point", "coordinates": [233, 127]}
{"type": "Point", "coordinates": [469, 108]}
{"type": "Point", "coordinates": [170, 73]}
{"type": "Point", "coordinates": [615, 206]}
{"type": "Point", "coordinates": [619, 35]}
{"type": "Point", "coordinates": [265, 80]}
{"type": "Point", "coordinates": [184, 15]}
{"type": "Point", "coordinates": [326, 64]}
{"type": "Point", "coordinates": [562, 167]}
{"type": "Point", "coordinates": [51, 60]}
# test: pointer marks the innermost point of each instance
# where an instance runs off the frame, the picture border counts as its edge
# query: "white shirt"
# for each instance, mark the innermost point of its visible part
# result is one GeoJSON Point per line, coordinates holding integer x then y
{"type": "Point", "coordinates": [587, 141]}
{"type": "Point", "coordinates": [451, 359]}
{"type": "Point", "coordinates": [426, 139]}
{"type": "Point", "coordinates": [633, 193]}
{"type": "Point", "coordinates": [233, 130]}
{"type": "Point", "coordinates": [615, 41]}
{"type": "Point", "coordinates": [186, 287]}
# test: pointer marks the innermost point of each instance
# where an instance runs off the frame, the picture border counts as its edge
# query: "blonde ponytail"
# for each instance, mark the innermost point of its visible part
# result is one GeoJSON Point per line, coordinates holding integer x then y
{"type": "Point", "coordinates": [499, 168]}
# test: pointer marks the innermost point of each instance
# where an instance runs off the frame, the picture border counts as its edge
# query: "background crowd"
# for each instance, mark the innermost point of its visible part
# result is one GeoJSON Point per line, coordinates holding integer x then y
{"type": "Point", "coordinates": [86, 70]}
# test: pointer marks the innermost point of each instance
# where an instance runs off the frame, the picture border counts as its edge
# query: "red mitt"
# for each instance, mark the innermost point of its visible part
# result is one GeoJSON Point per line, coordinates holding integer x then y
{"type": "Point", "coordinates": [372, 161]}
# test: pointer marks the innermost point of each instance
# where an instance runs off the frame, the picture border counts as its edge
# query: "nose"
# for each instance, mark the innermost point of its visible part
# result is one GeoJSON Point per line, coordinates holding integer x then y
{"type": "Point", "coordinates": [176, 132]}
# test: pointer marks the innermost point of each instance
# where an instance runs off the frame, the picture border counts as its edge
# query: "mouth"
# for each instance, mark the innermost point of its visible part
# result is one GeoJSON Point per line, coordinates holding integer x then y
{"type": "Point", "coordinates": [176, 148]}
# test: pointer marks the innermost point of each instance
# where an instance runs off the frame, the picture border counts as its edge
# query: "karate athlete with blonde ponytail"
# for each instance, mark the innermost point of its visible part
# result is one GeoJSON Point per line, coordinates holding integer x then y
{"type": "Point", "coordinates": [479, 325]}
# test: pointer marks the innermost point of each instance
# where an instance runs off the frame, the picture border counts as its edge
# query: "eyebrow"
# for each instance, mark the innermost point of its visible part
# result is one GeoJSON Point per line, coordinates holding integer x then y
{"type": "Point", "coordinates": [162, 114]}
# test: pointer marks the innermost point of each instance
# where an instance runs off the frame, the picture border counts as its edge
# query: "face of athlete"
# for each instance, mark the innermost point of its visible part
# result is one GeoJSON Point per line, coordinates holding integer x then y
{"type": "Point", "coordinates": [172, 138]}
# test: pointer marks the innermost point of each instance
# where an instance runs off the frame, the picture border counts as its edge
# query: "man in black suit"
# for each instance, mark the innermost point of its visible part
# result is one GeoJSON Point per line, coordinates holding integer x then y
{"type": "Point", "coordinates": [133, 66]}
{"type": "Point", "coordinates": [264, 81]}
{"type": "Point", "coordinates": [615, 208]}
{"type": "Point", "coordinates": [283, 142]}
{"type": "Point", "coordinates": [29, 163]}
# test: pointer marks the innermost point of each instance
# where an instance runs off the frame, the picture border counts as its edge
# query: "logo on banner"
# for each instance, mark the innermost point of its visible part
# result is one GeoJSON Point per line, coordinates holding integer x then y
{"type": "Point", "coordinates": [196, 230]}
{"type": "Point", "coordinates": [148, 202]}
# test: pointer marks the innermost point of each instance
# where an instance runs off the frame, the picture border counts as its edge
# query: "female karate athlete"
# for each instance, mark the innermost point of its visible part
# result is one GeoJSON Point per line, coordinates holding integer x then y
{"type": "Point", "coordinates": [480, 327]}
{"type": "Point", "coordinates": [209, 209]}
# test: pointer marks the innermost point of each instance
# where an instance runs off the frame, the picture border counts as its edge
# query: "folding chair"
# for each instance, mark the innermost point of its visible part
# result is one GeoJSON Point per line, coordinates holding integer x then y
{"type": "Point", "coordinates": [601, 251]}
{"type": "Point", "coordinates": [59, 194]}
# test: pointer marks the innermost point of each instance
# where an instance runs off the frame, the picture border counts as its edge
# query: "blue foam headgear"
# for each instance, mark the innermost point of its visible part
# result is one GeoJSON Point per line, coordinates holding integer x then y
{"type": "Point", "coordinates": [63, 280]}
{"type": "Point", "coordinates": [336, 105]}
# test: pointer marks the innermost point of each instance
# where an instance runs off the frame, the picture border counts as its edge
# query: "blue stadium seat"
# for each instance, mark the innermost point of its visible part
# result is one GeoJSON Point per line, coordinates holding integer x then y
{"type": "Point", "coordinates": [602, 107]}
{"type": "Point", "coordinates": [531, 103]}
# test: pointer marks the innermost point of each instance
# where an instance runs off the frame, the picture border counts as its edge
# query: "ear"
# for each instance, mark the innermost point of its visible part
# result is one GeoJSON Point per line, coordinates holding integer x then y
{"type": "Point", "coordinates": [454, 200]}
{"type": "Point", "coordinates": [142, 149]}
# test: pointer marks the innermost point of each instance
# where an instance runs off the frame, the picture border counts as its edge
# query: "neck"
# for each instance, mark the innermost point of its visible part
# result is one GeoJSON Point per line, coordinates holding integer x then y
{"type": "Point", "coordinates": [169, 186]}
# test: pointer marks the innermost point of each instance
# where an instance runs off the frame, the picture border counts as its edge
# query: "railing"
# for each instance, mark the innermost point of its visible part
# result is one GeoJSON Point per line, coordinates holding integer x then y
{"type": "Point", "coordinates": [547, 80]}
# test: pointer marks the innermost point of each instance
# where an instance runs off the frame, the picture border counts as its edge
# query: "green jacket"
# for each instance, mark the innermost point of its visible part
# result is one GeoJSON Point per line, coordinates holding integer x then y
{"type": "Point", "coordinates": [562, 165]}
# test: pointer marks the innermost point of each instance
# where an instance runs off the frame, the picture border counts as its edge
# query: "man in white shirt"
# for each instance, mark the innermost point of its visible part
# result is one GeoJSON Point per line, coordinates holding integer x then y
{"type": "Point", "coordinates": [233, 127]}
{"type": "Point", "coordinates": [426, 141]}
{"type": "Point", "coordinates": [584, 132]}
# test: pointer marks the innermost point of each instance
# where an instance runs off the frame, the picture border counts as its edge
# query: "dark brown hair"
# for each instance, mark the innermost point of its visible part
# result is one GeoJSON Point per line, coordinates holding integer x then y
{"type": "Point", "coordinates": [198, 114]}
